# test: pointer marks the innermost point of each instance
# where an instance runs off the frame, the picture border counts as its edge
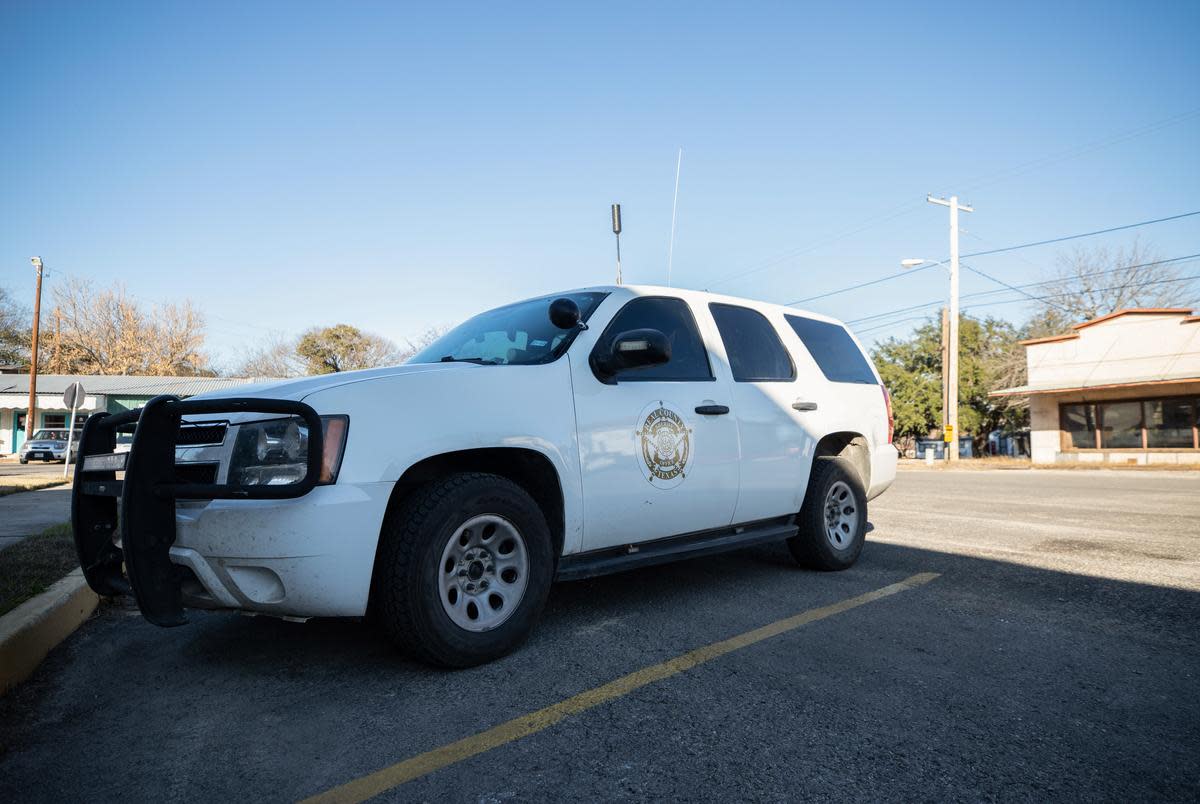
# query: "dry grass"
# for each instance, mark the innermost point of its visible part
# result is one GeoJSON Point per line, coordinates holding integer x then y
{"type": "Point", "coordinates": [12, 484]}
{"type": "Point", "coordinates": [30, 566]}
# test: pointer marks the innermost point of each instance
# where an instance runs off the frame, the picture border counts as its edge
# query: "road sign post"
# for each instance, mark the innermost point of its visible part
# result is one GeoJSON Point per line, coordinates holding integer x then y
{"type": "Point", "coordinates": [72, 398]}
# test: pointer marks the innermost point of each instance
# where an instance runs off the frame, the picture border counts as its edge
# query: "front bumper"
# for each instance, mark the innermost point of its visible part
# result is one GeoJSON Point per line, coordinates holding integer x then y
{"type": "Point", "coordinates": [41, 454]}
{"type": "Point", "coordinates": [141, 562]}
{"type": "Point", "coordinates": [309, 557]}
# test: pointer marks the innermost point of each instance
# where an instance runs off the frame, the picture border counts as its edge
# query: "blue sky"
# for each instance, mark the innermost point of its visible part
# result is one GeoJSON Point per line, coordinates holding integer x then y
{"type": "Point", "coordinates": [394, 167]}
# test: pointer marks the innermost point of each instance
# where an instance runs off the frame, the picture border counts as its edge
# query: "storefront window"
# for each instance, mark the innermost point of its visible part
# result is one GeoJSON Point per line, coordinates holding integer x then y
{"type": "Point", "coordinates": [1080, 423]}
{"type": "Point", "coordinates": [1169, 422]}
{"type": "Point", "coordinates": [1120, 425]}
{"type": "Point", "coordinates": [54, 421]}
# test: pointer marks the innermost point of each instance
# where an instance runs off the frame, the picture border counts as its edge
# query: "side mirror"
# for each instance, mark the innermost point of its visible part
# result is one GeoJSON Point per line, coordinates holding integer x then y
{"type": "Point", "coordinates": [637, 348]}
{"type": "Point", "coordinates": [564, 313]}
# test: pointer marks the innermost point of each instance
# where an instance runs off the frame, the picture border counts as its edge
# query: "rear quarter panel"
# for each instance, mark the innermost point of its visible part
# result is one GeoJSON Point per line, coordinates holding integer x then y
{"type": "Point", "coordinates": [848, 407]}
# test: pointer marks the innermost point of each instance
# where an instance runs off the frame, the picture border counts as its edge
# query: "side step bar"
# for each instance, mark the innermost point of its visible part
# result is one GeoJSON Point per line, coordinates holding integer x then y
{"type": "Point", "coordinates": [689, 545]}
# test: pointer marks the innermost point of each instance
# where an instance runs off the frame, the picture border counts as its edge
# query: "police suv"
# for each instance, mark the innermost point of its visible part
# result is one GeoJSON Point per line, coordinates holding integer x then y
{"type": "Point", "coordinates": [561, 437]}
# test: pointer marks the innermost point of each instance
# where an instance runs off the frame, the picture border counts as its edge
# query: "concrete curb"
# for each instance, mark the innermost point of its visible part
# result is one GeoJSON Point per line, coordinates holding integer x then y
{"type": "Point", "coordinates": [33, 629]}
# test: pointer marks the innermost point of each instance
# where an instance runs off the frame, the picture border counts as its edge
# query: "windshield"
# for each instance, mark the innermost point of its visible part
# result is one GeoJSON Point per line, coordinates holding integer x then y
{"type": "Point", "coordinates": [517, 335]}
{"type": "Point", "coordinates": [50, 435]}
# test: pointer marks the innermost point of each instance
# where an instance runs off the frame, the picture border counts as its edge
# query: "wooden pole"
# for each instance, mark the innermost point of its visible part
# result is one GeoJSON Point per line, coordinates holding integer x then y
{"type": "Point", "coordinates": [30, 413]}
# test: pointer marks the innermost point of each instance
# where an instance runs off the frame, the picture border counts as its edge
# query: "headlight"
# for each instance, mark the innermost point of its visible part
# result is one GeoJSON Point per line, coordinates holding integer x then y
{"type": "Point", "coordinates": [273, 452]}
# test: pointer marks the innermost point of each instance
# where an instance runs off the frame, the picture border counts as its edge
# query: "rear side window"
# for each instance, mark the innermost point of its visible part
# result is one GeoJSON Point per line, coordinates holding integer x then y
{"type": "Point", "coordinates": [673, 318]}
{"type": "Point", "coordinates": [836, 353]}
{"type": "Point", "coordinates": [755, 352]}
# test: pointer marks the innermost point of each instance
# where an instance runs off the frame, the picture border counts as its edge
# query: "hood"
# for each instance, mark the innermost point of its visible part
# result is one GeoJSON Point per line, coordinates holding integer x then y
{"type": "Point", "coordinates": [301, 387]}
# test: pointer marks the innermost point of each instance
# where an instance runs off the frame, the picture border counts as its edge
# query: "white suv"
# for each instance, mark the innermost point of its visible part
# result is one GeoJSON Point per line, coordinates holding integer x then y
{"type": "Point", "coordinates": [560, 437]}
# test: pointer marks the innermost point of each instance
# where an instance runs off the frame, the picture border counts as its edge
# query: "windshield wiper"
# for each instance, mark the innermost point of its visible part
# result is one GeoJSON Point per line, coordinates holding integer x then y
{"type": "Point", "coordinates": [477, 360]}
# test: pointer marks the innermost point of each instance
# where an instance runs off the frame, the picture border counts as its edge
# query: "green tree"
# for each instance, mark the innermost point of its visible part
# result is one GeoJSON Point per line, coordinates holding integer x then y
{"type": "Point", "coordinates": [911, 369]}
{"type": "Point", "coordinates": [326, 350]}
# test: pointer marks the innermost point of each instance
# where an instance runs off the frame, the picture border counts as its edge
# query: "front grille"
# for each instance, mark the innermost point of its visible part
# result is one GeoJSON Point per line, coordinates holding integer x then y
{"type": "Point", "coordinates": [196, 472]}
{"type": "Point", "coordinates": [194, 435]}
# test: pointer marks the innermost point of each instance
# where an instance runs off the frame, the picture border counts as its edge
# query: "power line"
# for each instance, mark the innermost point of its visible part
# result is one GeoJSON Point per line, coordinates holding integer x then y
{"type": "Point", "coordinates": [1085, 234]}
{"type": "Point", "coordinates": [997, 251]}
{"type": "Point", "coordinates": [1021, 288]}
{"type": "Point", "coordinates": [1011, 287]}
{"type": "Point", "coordinates": [970, 184]}
{"type": "Point", "coordinates": [1009, 301]}
{"type": "Point", "coordinates": [865, 284]}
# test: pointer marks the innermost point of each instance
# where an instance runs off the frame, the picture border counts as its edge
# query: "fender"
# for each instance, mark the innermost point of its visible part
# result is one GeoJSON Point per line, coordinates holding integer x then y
{"type": "Point", "coordinates": [400, 420]}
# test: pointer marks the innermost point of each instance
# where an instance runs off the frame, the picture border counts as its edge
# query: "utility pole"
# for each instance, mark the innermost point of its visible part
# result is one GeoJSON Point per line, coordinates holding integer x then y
{"type": "Point", "coordinates": [616, 216]}
{"type": "Point", "coordinates": [952, 389]}
{"type": "Point", "coordinates": [33, 353]}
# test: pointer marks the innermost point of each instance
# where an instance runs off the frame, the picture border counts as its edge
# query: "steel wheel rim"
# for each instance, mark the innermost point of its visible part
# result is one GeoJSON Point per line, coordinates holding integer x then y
{"type": "Point", "coordinates": [483, 573]}
{"type": "Point", "coordinates": [841, 515]}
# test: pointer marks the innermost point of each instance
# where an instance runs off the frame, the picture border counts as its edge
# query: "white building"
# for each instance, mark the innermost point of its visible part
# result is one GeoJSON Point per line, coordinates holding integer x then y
{"type": "Point", "coordinates": [104, 393]}
{"type": "Point", "coordinates": [1122, 388]}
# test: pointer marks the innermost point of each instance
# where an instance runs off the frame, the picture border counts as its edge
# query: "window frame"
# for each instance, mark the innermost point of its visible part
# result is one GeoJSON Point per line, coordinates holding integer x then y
{"type": "Point", "coordinates": [712, 306]}
{"type": "Point", "coordinates": [1066, 445]}
{"type": "Point", "coordinates": [630, 375]}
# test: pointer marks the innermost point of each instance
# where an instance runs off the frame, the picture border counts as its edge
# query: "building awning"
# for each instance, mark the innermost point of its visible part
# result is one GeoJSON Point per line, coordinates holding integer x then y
{"type": "Point", "coordinates": [1099, 385]}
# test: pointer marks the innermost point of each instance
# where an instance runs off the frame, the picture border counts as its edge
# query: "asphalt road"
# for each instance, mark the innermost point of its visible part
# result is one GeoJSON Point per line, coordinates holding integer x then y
{"type": "Point", "coordinates": [1056, 656]}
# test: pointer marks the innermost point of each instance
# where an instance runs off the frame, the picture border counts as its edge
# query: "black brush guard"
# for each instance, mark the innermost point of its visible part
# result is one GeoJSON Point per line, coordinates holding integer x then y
{"type": "Point", "coordinates": [148, 493]}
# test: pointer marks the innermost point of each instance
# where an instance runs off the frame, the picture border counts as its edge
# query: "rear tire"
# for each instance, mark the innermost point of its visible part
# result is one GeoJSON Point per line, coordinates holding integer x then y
{"type": "Point", "coordinates": [464, 568]}
{"type": "Point", "coordinates": [833, 521]}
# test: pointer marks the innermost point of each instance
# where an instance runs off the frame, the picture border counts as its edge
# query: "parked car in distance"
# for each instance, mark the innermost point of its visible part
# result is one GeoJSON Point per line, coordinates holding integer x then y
{"type": "Point", "coordinates": [48, 445]}
{"type": "Point", "coordinates": [561, 437]}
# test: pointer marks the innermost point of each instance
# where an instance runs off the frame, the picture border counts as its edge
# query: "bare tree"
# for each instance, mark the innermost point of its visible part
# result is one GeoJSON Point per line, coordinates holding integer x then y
{"type": "Point", "coordinates": [1097, 281]}
{"type": "Point", "coordinates": [106, 332]}
{"type": "Point", "coordinates": [14, 331]}
{"type": "Point", "coordinates": [414, 345]}
{"type": "Point", "coordinates": [277, 358]}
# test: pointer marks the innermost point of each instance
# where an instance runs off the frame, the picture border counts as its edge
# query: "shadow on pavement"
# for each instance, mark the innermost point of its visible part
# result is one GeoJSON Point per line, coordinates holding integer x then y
{"type": "Point", "coordinates": [994, 680]}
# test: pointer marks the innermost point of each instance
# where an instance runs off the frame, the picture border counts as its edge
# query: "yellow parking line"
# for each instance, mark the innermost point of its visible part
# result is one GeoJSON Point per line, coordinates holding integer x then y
{"type": "Point", "coordinates": [385, 779]}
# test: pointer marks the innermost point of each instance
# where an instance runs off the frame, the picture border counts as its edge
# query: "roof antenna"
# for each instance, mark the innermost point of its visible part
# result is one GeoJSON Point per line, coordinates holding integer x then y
{"type": "Point", "coordinates": [674, 206]}
{"type": "Point", "coordinates": [616, 215]}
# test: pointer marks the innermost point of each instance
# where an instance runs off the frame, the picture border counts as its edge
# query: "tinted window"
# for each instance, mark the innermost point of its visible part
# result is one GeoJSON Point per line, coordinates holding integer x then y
{"type": "Point", "coordinates": [755, 352]}
{"type": "Point", "coordinates": [1169, 422]}
{"type": "Point", "coordinates": [1080, 423]}
{"type": "Point", "coordinates": [1120, 425]}
{"type": "Point", "coordinates": [673, 318]}
{"type": "Point", "coordinates": [836, 353]}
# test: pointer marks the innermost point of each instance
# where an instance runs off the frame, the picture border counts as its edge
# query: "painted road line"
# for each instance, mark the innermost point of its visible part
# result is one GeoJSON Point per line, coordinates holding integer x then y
{"type": "Point", "coordinates": [385, 779]}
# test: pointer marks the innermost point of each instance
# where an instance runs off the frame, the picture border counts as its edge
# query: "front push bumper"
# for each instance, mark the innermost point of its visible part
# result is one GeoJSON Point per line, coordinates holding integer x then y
{"type": "Point", "coordinates": [142, 564]}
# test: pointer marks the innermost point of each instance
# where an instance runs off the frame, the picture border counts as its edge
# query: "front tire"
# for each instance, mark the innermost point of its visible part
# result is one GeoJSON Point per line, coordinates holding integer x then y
{"type": "Point", "coordinates": [464, 568]}
{"type": "Point", "coordinates": [833, 521]}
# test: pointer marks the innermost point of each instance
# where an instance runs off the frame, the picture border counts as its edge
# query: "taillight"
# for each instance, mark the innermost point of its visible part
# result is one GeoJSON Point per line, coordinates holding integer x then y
{"type": "Point", "coordinates": [887, 403]}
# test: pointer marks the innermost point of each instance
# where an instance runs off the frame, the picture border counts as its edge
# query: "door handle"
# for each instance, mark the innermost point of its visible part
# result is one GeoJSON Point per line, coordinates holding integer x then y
{"type": "Point", "coordinates": [800, 404]}
{"type": "Point", "coordinates": [712, 410]}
